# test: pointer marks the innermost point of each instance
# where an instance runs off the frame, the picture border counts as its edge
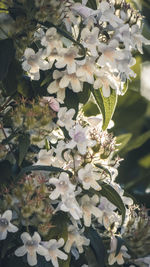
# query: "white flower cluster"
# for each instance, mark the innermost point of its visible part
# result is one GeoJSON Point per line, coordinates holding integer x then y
{"type": "Point", "coordinates": [101, 53]}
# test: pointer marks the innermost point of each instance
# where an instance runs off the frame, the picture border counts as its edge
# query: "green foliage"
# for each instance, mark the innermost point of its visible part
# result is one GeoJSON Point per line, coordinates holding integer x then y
{"type": "Point", "coordinates": [106, 104]}
{"type": "Point", "coordinates": [111, 194]}
{"type": "Point", "coordinates": [6, 56]}
{"type": "Point", "coordinates": [23, 145]}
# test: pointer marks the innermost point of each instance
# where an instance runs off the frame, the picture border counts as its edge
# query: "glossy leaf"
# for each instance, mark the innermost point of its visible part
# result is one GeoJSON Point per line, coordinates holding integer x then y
{"type": "Point", "coordinates": [23, 145]}
{"type": "Point", "coordinates": [6, 56]}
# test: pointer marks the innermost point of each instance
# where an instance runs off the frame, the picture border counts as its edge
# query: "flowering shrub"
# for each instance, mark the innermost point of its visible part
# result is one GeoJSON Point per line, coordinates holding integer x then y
{"type": "Point", "coordinates": [66, 62]}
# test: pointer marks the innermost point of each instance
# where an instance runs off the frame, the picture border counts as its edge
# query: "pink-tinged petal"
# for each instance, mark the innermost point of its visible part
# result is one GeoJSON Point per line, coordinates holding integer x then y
{"type": "Point", "coordinates": [19, 252]}
{"type": "Point", "coordinates": [76, 85]}
{"type": "Point", "coordinates": [120, 259]}
{"type": "Point", "coordinates": [12, 228]}
{"type": "Point", "coordinates": [111, 259]}
{"type": "Point", "coordinates": [32, 259]}
{"type": "Point", "coordinates": [60, 64]}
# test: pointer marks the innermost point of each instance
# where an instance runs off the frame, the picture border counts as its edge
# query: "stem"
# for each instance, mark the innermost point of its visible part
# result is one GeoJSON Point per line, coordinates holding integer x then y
{"type": "Point", "coordinates": [1, 127]}
{"type": "Point", "coordinates": [5, 104]}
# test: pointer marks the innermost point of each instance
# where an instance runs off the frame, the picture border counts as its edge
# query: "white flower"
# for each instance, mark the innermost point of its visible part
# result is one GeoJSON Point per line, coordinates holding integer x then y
{"type": "Point", "coordinates": [107, 14]}
{"type": "Point", "coordinates": [71, 81]}
{"type": "Point", "coordinates": [119, 258]}
{"type": "Point", "coordinates": [108, 214]}
{"type": "Point", "coordinates": [51, 40]}
{"type": "Point", "coordinates": [88, 177]}
{"type": "Point", "coordinates": [44, 157]}
{"type": "Point", "coordinates": [97, 121]}
{"type": "Point", "coordinates": [88, 206]}
{"type": "Point", "coordinates": [6, 225]}
{"type": "Point", "coordinates": [34, 62]}
{"type": "Point", "coordinates": [109, 54]}
{"type": "Point", "coordinates": [63, 186]}
{"type": "Point", "coordinates": [53, 251]}
{"type": "Point", "coordinates": [31, 247]}
{"type": "Point", "coordinates": [75, 239]}
{"type": "Point", "coordinates": [67, 59]}
{"type": "Point", "coordinates": [137, 38]}
{"type": "Point", "coordinates": [69, 204]}
{"type": "Point", "coordinates": [90, 39]}
{"type": "Point", "coordinates": [105, 80]}
{"type": "Point", "coordinates": [86, 71]}
{"type": "Point", "coordinates": [80, 139]}
{"type": "Point", "coordinates": [65, 118]}
{"type": "Point", "coordinates": [54, 87]}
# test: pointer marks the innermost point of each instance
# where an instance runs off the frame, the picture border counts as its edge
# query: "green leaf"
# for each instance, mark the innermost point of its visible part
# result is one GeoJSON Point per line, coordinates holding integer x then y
{"type": "Point", "coordinates": [85, 94]}
{"type": "Point", "coordinates": [41, 168]}
{"type": "Point", "coordinates": [106, 104]}
{"type": "Point", "coordinates": [71, 100]}
{"type": "Point", "coordinates": [6, 56]}
{"type": "Point", "coordinates": [24, 142]}
{"type": "Point", "coordinates": [122, 140]}
{"type": "Point", "coordinates": [90, 109]}
{"type": "Point", "coordinates": [138, 142]}
{"type": "Point", "coordinates": [5, 170]}
{"type": "Point", "coordinates": [111, 194]}
{"type": "Point", "coordinates": [97, 245]}
{"type": "Point", "coordinates": [60, 230]}
{"type": "Point", "coordinates": [10, 82]}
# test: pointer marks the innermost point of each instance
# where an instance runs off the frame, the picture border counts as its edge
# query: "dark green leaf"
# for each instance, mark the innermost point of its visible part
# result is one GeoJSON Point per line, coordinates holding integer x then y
{"type": "Point", "coordinates": [90, 109]}
{"type": "Point", "coordinates": [71, 100]}
{"type": "Point", "coordinates": [6, 56]}
{"type": "Point", "coordinates": [97, 245]}
{"type": "Point", "coordinates": [10, 82]}
{"type": "Point", "coordinates": [111, 194]}
{"type": "Point", "coordinates": [138, 142]}
{"type": "Point", "coordinates": [5, 170]}
{"type": "Point", "coordinates": [122, 140]}
{"type": "Point", "coordinates": [23, 145]}
{"type": "Point", "coordinates": [120, 243]}
{"type": "Point", "coordinates": [85, 94]}
{"type": "Point", "coordinates": [106, 104]}
{"type": "Point", "coordinates": [41, 168]}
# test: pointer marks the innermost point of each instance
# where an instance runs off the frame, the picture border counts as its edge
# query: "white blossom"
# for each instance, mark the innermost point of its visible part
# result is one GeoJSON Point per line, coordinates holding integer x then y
{"type": "Point", "coordinates": [54, 87]}
{"type": "Point", "coordinates": [137, 38]}
{"type": "Point", "coordinates": [90, 40]}
{"type": "Point", "coordinates": [53, 251]}
{"type": "Point", "coordinates": [6, 225]}
{"type": "Point", "coordinates": [86, 71]}
{"type": "Point", "coordinates": [71, 81]}
{"type": "Point", "coordinates": [67, 59]}
{"type": "Point", "coordinates": [75, 239]}
{"type": "Point", "coordinates": [65, 117]}
{"type": "Point", "coordinates": [122, 253]}
{"type": "Point", "coordinates": [70, 205]}
{"type": "Point", "coordinates": [34, 62]}
{"type": "Point", "coordinates": [88, 206]}
{"type": "Point", "coordinates": [32, 247]}
{"type": "Point", "coordinates": [143, 262]}
{"type": "Point", "coordinates": [51, 40]}
{"type": "Point", "coordinates": [80, 139]}
{"type": "Point", "coordinates": [88, 177]}
{"type": "Point", "coordinates": [63, 186]}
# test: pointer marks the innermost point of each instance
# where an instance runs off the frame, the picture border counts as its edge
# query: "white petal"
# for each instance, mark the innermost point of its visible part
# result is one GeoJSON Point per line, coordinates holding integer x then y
{"type": "Point", "coordinates": [3, 235]}
{"type": "Point", "coordinates": [7, 215]}
{"type": "Point", "coordinates": [19, 252]}
{"type": "Point", "coordinates": [64, 82]}
{"type": "Point", "coordinates": [12, 228]}
{"type": "Point", "coordinates": [32, 259]}
{"type": "Point", "coordinates": [61, 255]}
{"type": "Point", "coordinates": [25, 237]}
{"type": "Point", "coordinates": [36, 237]}
{"type": "Point", "coordinates": [55, 194]}
{"type": "Point", "coordinates": [41, 250]}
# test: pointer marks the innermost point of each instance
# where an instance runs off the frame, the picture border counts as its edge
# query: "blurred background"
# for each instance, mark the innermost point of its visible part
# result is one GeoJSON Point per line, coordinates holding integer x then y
{"type": "Point", "coordinates": [132, 122]}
